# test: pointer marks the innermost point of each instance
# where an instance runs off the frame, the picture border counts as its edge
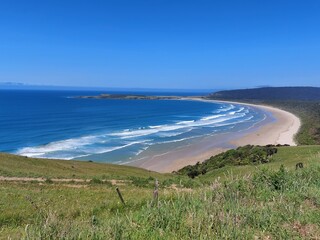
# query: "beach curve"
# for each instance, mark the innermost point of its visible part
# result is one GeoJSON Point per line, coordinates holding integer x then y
{"type": "Point", "coordinates": [280, 131]}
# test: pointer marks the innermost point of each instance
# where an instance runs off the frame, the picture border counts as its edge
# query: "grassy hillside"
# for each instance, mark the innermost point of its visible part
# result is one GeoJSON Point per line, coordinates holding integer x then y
{"type": "Point", "coordinates": [12, 165]}
{"type": "Point", "coordinates": [269, 205]}
{"type": "Point", "coordinates": [251, 201]}
{"type": "Point", "coordinates": [246, 155]}
{"type": "Point", "coordinates": [288, 156]}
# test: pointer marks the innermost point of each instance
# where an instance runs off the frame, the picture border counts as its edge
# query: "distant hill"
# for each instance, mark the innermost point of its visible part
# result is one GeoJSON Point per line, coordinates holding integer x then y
{"type": "Point", "coordinates": [270, 93]}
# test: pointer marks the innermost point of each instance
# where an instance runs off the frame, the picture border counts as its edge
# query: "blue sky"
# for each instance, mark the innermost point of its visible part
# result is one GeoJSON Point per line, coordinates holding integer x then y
{"type": "Point", "coordinates": [160, 44]}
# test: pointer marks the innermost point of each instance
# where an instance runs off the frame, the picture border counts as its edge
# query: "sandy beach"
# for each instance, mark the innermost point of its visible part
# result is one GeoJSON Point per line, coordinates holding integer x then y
{"type": "Point", "coordinates": [279, 131]}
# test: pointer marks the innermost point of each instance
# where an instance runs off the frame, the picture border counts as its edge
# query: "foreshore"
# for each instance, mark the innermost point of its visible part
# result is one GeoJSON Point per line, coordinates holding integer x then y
{"type": "Point", "coordinates": [281, 130]}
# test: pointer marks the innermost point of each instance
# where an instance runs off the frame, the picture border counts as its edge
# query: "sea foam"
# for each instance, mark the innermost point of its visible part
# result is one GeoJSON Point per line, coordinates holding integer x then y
{"type": "Point", "coordinates": [143, 136]}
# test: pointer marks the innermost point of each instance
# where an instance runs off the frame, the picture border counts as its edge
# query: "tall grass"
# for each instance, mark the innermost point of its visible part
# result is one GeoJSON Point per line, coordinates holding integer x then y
{"type": "Point", "coordinates": [271, 204]}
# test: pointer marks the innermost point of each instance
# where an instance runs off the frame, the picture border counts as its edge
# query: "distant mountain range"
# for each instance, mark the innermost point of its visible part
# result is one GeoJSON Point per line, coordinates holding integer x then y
{"type": "Point", "coordinates": [270, 93]}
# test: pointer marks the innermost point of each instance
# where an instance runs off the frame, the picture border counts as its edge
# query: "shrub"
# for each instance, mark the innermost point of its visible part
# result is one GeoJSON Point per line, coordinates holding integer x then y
{"type": "Point", "coordinates": [96, 181]}
{"type": "Point", "coordinates": [48, 180]}
{"type": "Point", "coordinates": [141, 182]}
{"type": "Point", "coordinates": [241, 156]}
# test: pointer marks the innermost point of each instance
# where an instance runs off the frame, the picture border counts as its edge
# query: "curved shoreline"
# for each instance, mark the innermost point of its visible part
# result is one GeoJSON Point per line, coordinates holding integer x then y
{"type": "Point", "coordinates": [280, 131]}
{"type": "Point", "coordinates": [283, 130]}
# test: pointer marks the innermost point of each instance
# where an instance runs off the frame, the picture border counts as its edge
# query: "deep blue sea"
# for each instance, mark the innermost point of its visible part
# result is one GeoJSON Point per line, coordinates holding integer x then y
{"type": "Point", "coordinates": [53, 124]}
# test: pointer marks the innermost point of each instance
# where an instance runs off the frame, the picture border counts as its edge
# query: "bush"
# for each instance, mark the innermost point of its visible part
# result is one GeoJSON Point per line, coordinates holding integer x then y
{"type": "Point", "coordinates": [241, 156]}
{"type": "Point", "coordinates": [141, 182]}
{"type": "Point", "coordinates": [192, 173]}
{"type": "Point", "coordinates": [276, 180]}
{"type": "Point", "coordinates": [96, 181]}
{"type": "Point", "coordinates": [48, 180]}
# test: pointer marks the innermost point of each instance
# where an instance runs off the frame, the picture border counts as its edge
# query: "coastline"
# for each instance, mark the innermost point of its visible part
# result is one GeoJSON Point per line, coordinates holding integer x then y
{"type": "Point", "coordinates": [280, 131]}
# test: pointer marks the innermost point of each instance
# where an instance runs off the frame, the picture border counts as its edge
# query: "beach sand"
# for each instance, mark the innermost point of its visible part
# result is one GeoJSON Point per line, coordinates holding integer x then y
{"type": "Point", "coordinates": [279, 131]}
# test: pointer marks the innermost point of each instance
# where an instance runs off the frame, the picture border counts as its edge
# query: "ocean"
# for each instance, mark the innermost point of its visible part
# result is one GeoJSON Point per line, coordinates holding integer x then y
{"type": "Point", "coordinates": [54, 124]}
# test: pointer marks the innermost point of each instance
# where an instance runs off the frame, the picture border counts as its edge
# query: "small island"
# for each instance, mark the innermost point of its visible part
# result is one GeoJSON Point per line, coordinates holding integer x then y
{"type": "Point", "coordinates": [137, 97]}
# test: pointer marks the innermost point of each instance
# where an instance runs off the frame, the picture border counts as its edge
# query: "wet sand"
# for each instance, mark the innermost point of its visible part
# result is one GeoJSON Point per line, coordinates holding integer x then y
{"type": "Point", "coordinates": [279, 128]}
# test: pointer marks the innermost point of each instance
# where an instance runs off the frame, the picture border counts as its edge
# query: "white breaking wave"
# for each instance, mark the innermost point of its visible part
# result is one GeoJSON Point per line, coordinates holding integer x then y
{"type": "Point", "coordinates": [183, 125]}
{"type": "Point", "coordinates": [141, 150]}
{"type": "Point", "coordinates": [212, 117]}
{"type": "Point", "coordinates": [72, 148]}
{"type": "Point", "coordinates": [63, 145]}
{"type": "Point", "coordinates": [185, 122]}
{"type": "Point", "coordinates": [98, 144]}
{"type": "Point", "coordinates": [225, 108]}
{"type": "Point", "coordinates": [238, 111]}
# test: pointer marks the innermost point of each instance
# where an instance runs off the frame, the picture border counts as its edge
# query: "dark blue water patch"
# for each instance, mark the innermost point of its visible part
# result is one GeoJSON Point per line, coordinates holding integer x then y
{"type": "Point", "coordinates": [53, 124]}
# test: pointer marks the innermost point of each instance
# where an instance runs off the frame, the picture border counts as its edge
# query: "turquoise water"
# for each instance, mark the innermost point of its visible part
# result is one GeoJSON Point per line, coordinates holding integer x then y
{"type": "Point", "coordinates": [53, 124]}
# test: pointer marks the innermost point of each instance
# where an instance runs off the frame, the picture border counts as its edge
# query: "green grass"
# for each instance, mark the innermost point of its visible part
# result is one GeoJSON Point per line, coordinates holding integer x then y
{"type": "Point", "coordinates": [241, 156]}
{"type": "Point", "coordinates": [246, 202]}
{"type": "Point", "coordinates": [25, 203]}
{"type": "Point", "coordinates": [276, 204]}
{"type": "Point", "coordinates": [12, 165]}
{"type": "Point", "coordinates": [288, 156]}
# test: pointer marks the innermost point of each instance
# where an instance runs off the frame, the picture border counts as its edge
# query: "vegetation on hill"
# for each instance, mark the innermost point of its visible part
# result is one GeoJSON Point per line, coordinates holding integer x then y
{"type": "Point", "coordinates": [241, 156]}
{"type": "Point", "coordinates": [17, 166]}
{"type": "Point", "coordinates": [302, 101]}
{"type": "Point", "coordinates": [235, 201]}
{"type": "Point", "coordinates": [270, 204]}
{"type": "Point", "coordinates": [309, 113]}
{"type": "Point", "coordinates": [270, 93]}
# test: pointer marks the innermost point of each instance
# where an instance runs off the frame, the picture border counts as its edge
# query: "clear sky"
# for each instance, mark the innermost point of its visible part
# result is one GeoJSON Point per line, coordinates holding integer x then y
{"type": "Point", "coordinates": [160, 44]}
